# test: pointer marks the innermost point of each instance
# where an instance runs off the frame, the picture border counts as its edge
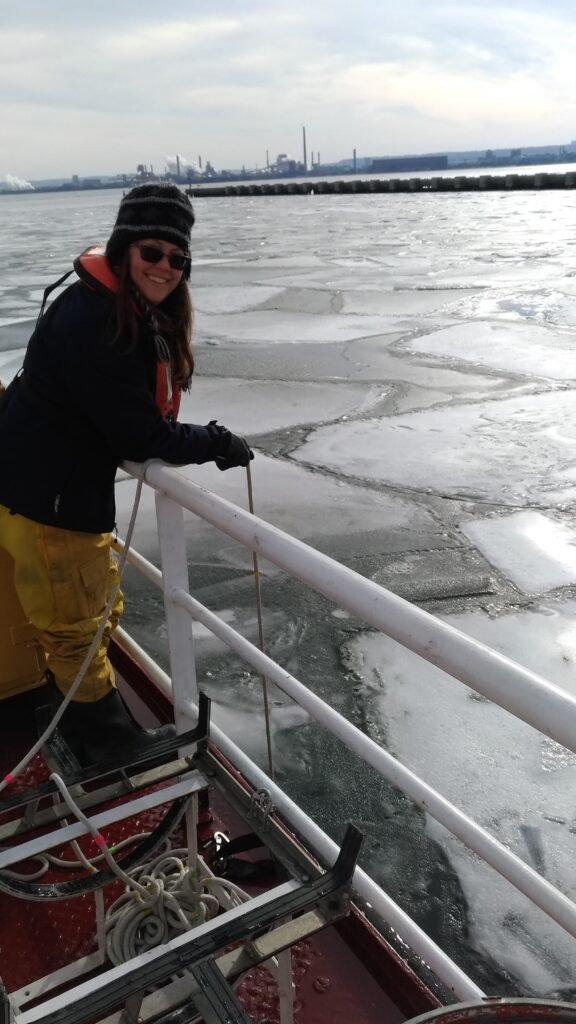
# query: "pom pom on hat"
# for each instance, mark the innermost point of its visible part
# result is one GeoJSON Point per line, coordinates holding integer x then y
{"type": "Point", "coordinates": [151, 211]}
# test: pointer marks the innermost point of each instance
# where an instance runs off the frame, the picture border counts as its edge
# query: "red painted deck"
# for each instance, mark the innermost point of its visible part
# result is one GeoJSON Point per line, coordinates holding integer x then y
{"type": "Point", "coordinates": [345, 974]}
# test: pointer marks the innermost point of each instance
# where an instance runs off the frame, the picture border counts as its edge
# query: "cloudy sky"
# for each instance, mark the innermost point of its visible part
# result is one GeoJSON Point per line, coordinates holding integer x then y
{"type": "Point", "coordinates": [98, 88]}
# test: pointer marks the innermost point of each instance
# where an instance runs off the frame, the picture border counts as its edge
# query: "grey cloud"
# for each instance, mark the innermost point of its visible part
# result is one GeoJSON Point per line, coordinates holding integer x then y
{"type": "Point", "coordinates": [470, 34]}
{"type": "Point", "coordinates": [454, 35]}
{"type": "Point", "coordinates": [233, 71]}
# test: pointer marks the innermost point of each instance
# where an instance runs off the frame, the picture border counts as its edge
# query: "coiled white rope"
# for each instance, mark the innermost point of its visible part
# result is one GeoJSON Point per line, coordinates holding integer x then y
{"type": "Point", "coordinates": [161, 898]}
{"type": "Point", "coordinates": [175, 899]}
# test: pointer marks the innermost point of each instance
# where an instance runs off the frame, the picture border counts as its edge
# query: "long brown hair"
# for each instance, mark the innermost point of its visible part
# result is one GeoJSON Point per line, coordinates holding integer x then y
{"type": "Point", "coordinates": [174, 318]}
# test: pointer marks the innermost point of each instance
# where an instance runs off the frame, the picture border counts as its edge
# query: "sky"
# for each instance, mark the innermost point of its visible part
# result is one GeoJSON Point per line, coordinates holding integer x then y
{"type": "Point", "coordinates": [99, 88]}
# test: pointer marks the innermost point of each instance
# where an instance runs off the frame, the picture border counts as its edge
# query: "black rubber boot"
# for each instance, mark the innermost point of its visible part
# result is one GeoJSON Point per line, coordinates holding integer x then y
{"type": "Point", "coordinates": [104, 730]}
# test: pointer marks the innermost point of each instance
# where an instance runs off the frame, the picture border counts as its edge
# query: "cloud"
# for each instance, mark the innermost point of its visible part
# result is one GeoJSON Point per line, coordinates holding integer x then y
{"type": "Point", "coordinates": [85, 96]}
{"type": "Point", "coordinates": [171, 39]}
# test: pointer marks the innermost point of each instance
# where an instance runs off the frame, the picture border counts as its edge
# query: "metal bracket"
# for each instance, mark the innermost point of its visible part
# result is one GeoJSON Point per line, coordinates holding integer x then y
{"type": "Point", "coordinates": [216, 1000]}
{"type": "Point", "coordinates": [261, 808]}
{"type": "Point", "coordinates": [176, 796]}
{"type": "Point", "coordinates": [162, 750]}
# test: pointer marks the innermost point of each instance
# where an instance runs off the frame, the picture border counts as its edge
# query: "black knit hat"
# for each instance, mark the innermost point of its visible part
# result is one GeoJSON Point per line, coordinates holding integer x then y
{"type": "Point", "coordinates": [151, 211]}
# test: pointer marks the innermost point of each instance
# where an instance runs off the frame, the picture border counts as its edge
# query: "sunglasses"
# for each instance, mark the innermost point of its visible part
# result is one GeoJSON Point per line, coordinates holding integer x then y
{"type": "Point", "coordinates": [151, 254]}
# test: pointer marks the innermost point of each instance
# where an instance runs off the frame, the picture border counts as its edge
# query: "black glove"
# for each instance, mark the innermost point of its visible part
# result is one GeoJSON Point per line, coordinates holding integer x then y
{"type": "Point", "coordinates": [233, 451]}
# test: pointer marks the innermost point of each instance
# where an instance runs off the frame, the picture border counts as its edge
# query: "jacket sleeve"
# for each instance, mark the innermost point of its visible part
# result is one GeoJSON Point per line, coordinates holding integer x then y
{"type": "Point", "coordinates": [110, 385]}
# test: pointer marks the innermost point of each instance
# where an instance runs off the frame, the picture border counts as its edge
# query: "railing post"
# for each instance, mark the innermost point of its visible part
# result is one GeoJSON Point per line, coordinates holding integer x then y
{"type": "Point", "coordinates": [174, 563]}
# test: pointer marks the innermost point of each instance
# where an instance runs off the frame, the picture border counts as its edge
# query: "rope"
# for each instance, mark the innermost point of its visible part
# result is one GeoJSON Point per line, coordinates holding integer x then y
{"type": "Point", "coordinates": [175, 899]}
{"type": "Point", "coordinates": [46, 860]}
{"type": "Point", "coordinates": [260, 631]}
{"type": "Point", "coordinates": [91, 828]}
{"type": "Point", "coordinates": [161, 899]}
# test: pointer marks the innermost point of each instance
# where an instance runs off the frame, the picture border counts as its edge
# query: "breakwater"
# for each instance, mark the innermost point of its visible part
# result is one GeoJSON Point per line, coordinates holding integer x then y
{"type": "Point", "coordinates": [457, 183]}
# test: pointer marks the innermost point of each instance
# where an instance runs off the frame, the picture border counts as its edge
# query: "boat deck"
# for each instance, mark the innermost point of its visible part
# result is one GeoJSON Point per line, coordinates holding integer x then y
{"type": "Point", "coordinates": [344, 973]}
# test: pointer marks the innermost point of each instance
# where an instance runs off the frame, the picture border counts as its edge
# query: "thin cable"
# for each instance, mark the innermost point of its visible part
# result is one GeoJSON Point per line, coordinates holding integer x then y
{"type": "Point", "coordinates": [91, 650]}
{"type": "Point", "coordinates": [260, 631]}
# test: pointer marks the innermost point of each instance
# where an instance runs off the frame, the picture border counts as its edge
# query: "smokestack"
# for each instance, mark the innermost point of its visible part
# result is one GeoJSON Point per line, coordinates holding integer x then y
{"type": "Point", "coordinates": [354, 164]}
{"type": "Point", "coordinates": [267, 160]}
{"type": "Point", "coordinates": [200, 162]}
{"type": "Point", "coordinates": [177, 166]}
{"type": "Point", "coordinates": [305, 158]}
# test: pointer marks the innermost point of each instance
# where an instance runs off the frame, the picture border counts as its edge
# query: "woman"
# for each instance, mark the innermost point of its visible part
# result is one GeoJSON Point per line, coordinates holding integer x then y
{"type": "Point", "coordinates": [100, 383]}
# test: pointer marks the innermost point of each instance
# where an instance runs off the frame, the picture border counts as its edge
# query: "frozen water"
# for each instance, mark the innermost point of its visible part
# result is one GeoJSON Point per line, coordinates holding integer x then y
{"type": "Point", "coordinates": [534, 551]}
{"type": "Point", "coordinates": [511, 451]}
{"type": "Point", "coordinates": [395, 357]}
{"type": "Point", "coordinates": [10, 363]}
{"type": "Point", "coordinates": [499, 772]}
{"type": "Point", "coordinates": [269, 326]}
{"type": "Point", "coordinates": [406, 302]}
{"type": "Point", "coordinates": [517, 348]}
{"type": "Point", "coordinates": [553, 306]}
{"type": "Point", "coordinates": [289, 496]}
{"type": "Point", "coordinates": [220, 299]}
{"type": "Point", "coordinates": [10, 321]}
{"type": "Point", "coordinates": [254, 407]}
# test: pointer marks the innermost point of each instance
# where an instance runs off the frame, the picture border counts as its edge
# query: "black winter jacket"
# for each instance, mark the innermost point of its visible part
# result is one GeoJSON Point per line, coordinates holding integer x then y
{"type": "Point", "coordinates": [85, 405]}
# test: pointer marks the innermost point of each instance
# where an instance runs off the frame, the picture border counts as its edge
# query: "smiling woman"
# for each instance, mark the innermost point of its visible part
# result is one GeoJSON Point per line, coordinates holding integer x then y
{"type": "Point", "coordinates": [156, 268]}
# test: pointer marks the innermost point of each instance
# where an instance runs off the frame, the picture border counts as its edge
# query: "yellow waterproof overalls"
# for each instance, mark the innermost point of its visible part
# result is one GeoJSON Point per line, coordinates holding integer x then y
{"type": "Point", "coordinates": [63, 580]}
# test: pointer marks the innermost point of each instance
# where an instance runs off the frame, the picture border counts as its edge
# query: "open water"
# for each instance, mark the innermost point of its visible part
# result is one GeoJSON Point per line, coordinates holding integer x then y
{"type": "Point", "coordinates": [404, 366]}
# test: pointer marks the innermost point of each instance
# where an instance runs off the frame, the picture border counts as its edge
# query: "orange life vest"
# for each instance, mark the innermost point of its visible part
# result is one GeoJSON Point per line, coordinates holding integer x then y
{"type": "Point", "coordinates": [94, 270]}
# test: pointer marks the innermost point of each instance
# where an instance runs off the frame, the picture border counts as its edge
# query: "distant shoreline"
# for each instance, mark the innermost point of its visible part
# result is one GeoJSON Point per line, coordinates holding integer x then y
{"type": "Point", "coordinates": [503, 166]}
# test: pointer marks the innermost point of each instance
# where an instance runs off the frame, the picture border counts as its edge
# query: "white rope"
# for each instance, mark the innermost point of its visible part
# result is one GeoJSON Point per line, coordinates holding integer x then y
{"type": "Point", "coordinates": [176, 900]}
{"type": "Point", "coordinates": [46, 860]}
{"type": "Point", "coordinates": [161, 898]}
{"type": "Point", "coordinates": [267, 723]}
{"type": "Point", "coordinates": [91, 828]}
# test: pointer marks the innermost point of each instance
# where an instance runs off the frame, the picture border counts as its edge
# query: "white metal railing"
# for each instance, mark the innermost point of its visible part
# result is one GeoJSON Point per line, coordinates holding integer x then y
{"type": "Point", "coordinates": [523, 693]}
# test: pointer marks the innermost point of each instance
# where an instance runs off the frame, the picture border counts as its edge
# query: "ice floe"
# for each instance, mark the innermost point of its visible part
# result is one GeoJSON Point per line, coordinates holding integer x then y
{"type": "Point", "coordinates": [271, 326]}
{"type": "Point", "coordinates": [534, 551]}
{"type": "Point", "coordinates": [291, 498]}
{"type": "Point", "coordinates": [255, 407]}
{"type": "Point", "coordinates": [539, 352]}
{"type": "Point", "coordinates": [512, 451]}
